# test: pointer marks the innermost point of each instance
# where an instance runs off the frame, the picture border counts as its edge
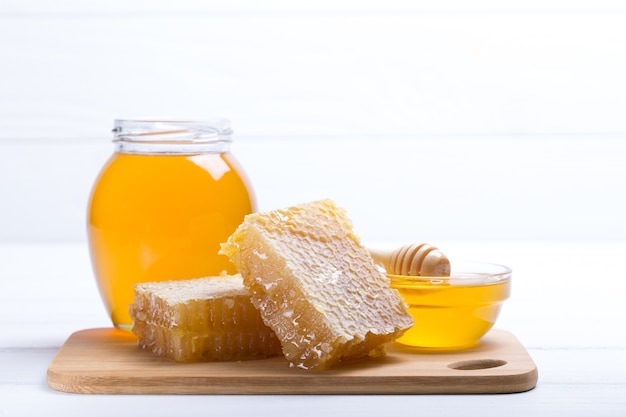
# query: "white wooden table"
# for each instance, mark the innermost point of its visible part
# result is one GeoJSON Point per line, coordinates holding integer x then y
{"type": "Point", "coordinates": [567, 308]}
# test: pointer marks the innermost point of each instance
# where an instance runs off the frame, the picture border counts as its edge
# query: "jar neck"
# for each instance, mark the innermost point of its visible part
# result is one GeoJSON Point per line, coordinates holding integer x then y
{"type": "Point", "coordinates": [172, 137]}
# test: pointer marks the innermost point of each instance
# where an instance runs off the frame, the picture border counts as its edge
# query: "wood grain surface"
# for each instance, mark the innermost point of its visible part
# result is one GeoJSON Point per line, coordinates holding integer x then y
{"type": "Point", "coordinates": [108, 361]}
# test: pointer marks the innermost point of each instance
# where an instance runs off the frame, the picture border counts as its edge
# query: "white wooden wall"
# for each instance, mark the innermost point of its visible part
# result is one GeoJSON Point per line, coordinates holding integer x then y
{"type": "Point", "coordinates": [428, 120]}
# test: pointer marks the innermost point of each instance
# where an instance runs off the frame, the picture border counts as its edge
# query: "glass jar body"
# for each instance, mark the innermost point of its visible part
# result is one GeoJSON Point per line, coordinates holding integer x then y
{"type": "Point", "coordinates": [156, 216]}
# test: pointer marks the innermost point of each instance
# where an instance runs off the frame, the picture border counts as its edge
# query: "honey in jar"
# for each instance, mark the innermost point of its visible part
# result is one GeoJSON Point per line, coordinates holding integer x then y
{"type": "Point", "coordinates": [168, 196]}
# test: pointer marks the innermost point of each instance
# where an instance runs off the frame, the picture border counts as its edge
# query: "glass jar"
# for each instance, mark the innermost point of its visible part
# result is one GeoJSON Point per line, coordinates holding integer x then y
{"type": "Point", "coordinates": [165, 200]}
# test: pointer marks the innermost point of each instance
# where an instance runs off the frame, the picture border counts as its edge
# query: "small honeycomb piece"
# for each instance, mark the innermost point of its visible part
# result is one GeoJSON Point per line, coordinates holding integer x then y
{"type": "Point", "coordinates": [204, 319]}
{"type": "Point", "coordinates": [315, 285]}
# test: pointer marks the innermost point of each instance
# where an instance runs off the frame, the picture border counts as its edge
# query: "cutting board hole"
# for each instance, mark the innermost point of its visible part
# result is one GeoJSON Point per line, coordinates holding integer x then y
{"type": "Point", "coordinates": [477, 364]}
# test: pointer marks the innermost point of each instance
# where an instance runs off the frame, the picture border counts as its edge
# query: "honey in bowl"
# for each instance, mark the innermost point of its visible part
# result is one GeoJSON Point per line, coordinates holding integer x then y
{"type": "Point", "coordinates": [163, 203]}
{"type": "Point", "coordinates": [453, 312]}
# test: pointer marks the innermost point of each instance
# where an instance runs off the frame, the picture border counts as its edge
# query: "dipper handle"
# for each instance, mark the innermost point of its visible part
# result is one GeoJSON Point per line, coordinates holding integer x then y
{"type": "Point", "coordinates": [418, 259]}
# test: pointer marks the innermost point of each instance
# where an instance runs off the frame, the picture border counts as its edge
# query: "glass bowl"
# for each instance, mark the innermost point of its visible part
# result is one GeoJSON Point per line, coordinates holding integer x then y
{"type": "Point", "coordinates": [453, 312]}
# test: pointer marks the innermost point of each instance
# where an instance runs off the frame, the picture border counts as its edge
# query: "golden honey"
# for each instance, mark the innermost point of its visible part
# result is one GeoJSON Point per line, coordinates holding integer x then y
{"type": "Point", "coordinates": [160, 208]}
{"type": "Point", "coordinates": [453, 312]}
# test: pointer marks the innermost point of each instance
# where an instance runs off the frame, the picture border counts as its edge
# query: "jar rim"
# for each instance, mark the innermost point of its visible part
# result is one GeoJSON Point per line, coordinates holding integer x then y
{"type": "Point", "coordinates": [154, 136]}
{"type": "Point", "coordinates": [164, 130]}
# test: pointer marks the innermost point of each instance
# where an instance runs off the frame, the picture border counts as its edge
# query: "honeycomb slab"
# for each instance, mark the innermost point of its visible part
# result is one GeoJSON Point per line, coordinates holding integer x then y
{"type": "Point", "coordinates": [315, 285]}
{"type": "Point", "coordinates": [204, 319]}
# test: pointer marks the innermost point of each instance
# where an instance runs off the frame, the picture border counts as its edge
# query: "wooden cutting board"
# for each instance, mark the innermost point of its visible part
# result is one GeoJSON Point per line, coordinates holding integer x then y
{"type": "Point", "coordinates": [108, 361]}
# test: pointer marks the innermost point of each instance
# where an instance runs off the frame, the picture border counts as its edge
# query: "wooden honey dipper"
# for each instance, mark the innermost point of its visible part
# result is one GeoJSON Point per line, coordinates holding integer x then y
{"type": "Point", "coordinates": [418, 259]}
